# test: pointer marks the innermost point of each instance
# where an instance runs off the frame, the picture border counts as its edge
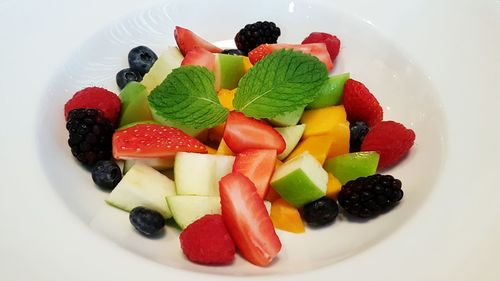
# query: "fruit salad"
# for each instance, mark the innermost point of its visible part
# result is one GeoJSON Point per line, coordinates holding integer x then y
{"type": "Point", "coordinates": [232, 144]}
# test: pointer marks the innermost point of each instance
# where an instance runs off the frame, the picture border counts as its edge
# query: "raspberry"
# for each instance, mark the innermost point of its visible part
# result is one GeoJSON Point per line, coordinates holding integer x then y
{"type": "Point", "coordinates": [331, 41]}
{"type": "Point", "coordinates": [98, 98]}
{"type": "Point", "coordinates": [392, 141]}
{"type": "Point", "coordinates": [360, 104]}
{"type": "Point", "coordinates": [255, 34]}
{"type": "Point", "coordinates": [207, 241]}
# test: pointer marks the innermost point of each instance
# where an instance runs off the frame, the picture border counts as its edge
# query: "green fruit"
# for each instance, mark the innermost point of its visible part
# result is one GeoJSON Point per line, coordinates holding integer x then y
{"type": "Point", "coordinates": [190, 131]}
{"type": "Point", "coordinates": [351, 166]}
{"type": "Point", "coordinates": [291, 135]}
{"type": "Point", "coordinates": [158, 164]}
{"type": "Point", "coordinates": [300, 180]}
{"type": "Point", "coordinates": [188, 208]}
{"type": "Point", "coordinates": [166, 62]}
{"type": "Point", "coordinates": [228, 71]}
{"type": "Point", "coordinates": [135, 105]}
{"type": "Point", "coordinates": [331, 92]}
{"type": "Point", "coordinates": [143, 186]}
{"type": "Point", "coordinates": [287, 119]}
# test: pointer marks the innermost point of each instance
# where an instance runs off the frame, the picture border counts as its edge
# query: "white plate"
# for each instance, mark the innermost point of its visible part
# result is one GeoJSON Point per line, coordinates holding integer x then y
{"type": "Point", "coordinates": [431, 70]}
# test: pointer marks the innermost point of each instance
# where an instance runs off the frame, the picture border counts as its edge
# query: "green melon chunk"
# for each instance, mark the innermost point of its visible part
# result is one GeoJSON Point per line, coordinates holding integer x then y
{"type": "Point", "coordinates": [287, 119]}
{"type": "Point", "coordinates": [291, 135]}
{"type": "Point", "coordinates": [331, 92]}
{"type": "Point", "coordinates": [351, 166]}
{"type": "Point", "coordinates": [188, 208]}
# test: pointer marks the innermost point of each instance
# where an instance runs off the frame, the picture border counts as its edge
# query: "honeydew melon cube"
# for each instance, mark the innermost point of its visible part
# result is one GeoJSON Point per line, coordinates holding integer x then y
{"type": "Point", "coordinates": [228, 70]}
{"type": "Point", "coordinates": [194, 174]}
{"type": "Point", "coordinates": [300, 180]}
{"type": "Point", "coordinates": [291, 135]}
{"type": "Point", "coordinates": [166, 62]}
{"type": "Point", "coordinates": [188, 208]}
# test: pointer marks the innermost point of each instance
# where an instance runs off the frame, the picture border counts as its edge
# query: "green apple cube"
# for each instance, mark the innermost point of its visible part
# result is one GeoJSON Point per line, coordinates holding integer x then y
{"type": "Point", "coordinates": [351, 166]}
{"type": "Point", "coordinates": [291, 135]}
{"type": "Point", "coordinates": [228, 70]}
{"type": "Point", "coordinates": [143, 186]}
{"type": "Point", "coordinates": [155, 163]}
{"type": "Point", "coordinates": [188, 208]}
{"type": "Point", "coordinates": [331, 92]}
{"type": "Point", "coordinates": [135, 105]}
{"type": "Point", "coordinates": [223, 166]}
{"type": "Point", "coordinates": [300, 180]}
{"type": "Point", "coordinates": [166, 62]}
{"type": "Point", "coordinates": [287, 119]}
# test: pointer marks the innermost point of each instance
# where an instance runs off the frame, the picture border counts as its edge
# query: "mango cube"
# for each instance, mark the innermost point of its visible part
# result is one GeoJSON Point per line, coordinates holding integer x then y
{"type": "Point", "coordinates": [226, 98]}
{"type": "Point", "coordinates": [323, 120]}
{"type": "Point", "coordinates": [286, 217]}
{"type": "Point", "coordinates": [333, 187]}
{"type": "Point", "coordinates": [224, 149]}
{"type": "Point", "coordinates": [318, 146]}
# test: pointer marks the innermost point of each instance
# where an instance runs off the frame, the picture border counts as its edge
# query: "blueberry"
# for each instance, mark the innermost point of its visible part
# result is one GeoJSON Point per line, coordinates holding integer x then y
{"type": "Point", "coordinates": [141, 59]}
{"type": "Point", "coordinates": [127, 75]}
{"type": "Point", "coordinates": [359, 129]}
{"type": "Point", "coordinates": [234, 52]}
{"type": "Point", "coordinates": [321, 212]}
{"type": "Point", "coordinates": [106, 174]}
{"type": "Point", "coordinates": [146, 221]}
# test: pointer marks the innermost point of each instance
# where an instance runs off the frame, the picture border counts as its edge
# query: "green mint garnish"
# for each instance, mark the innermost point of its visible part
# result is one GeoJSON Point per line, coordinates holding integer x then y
{"type": "Point", "coordinates": [187, 97]}
{"type": "Point", "coordinates": [281, 82]}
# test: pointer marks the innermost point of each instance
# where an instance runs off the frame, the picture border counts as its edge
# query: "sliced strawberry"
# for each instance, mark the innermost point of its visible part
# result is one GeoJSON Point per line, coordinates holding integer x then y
{"type": "Point", "coordinates": [188, 40]}
{"type": "Point", "coordinates": [201, 57]}
{"type": "Point", "coordinates": [153, 141]}
{"type": "Point", "coordinates": [242, 133]}
{"type": "Point", "coordinates": [331, 41]}
{"type": "Point", "coordinates": [257, 165]}
{"type": "Point", "coordinates": [247, 220]}
{"type": "Point", "coordinates": [318, 50]}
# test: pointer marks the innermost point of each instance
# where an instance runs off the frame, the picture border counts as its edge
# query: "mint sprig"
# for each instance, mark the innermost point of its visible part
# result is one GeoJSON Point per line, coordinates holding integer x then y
{"type": "Point", "coordinates": [187, 97]}
{"type": "Point", "coordinates": [281, 82]}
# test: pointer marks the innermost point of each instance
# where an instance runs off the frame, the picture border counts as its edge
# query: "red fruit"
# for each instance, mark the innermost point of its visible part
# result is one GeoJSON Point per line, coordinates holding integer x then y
{"type": "Point", "coordinates": [207, 241]}
{"type": "Point", "coordinates": [201, 57]}
{"type": "Point", "coordinates": [360, 104]}
{"type": "Point", "coordinates": [391, 140]}
{"type": "Point", "coordinates": [258, 166]}
{"type": "Point", "coordinates": [247, 219]}
{"type": "Point", "coordinates": [188, 40]}
{"type": "Point", "coordinates": [318, 50]}
{"type": "Point", "coordinates": [153, 141]}
{"type": "Point", "coordinates": [331, 41]}
{"type": "Point", "coordinates": [97, 98]}
{"type": "Point", "coordinates": [242, 133]}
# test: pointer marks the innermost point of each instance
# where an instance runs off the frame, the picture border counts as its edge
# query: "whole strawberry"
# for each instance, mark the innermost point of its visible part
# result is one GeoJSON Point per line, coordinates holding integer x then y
{"type": "Point", "coordinates": [392, 140]}
{"type": "Point", "coordinates": [360, 104]}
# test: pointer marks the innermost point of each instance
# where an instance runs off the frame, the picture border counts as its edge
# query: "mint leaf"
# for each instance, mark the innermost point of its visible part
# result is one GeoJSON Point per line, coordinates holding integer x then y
{"type": "Point", "coordinates": [281, 82]}
{"type": "Point", "coordinates": [187, 97]}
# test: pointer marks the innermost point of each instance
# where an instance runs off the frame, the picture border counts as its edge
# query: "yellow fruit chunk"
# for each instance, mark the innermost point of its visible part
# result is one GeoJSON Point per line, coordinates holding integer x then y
{"type": "Point", "coordinates": [223, 149]}
{"type": "Point", "coordinates": [247, 64]}
{"type": "Point", "coordinates": [318, 147]}
{"type": "Point", "coordinates": [340, 139]}
{"type": "Point", "coordinates": [211, 150]}
{"type": "Point", "coordinates": [333, 187]}
{"type": "Point", "coordinates": [286, 217]}
{"type": "Point", "coordinates": [323, 120]}
{"type": "Point", "coordinates": [226, 98]}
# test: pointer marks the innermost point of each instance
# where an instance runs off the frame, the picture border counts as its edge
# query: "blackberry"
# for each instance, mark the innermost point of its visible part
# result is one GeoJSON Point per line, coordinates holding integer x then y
{"type": "Point", "coordinates": [106, 174]}
{"type": "Point", "coordinates": [146, 221]}
{"type": "Point", "coordinates": [252, 35]}
{"type": "Point", "coordinates": [358, 129]}
{"type": "Point", "coordinates": [89, 135]}
{"type": "Point", "coordinates": [234, 52]}
{"type": "Point", "coordinates": [321, 212]}
{"type": "Point", "coordinates": [367, 197]}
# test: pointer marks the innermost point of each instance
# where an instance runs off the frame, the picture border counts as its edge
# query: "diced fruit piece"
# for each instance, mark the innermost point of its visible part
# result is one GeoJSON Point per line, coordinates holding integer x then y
{"type": "Point", "coordinates": [286, 217]}
{"type": "Point", "coordinates": [188, 208]}
{"type": "Point", "coordinates": [190, 131]}
{"type": "Point", "coordinates": [258, 166]}
{"type": "Point", "coordinates": [223, 166]}
{"type": "Point", "coordinates": [323, 120]}
{"type": "Point", "coordinates": [247, 64]}
{"type": "Point", "coordinates": [247, 220]}
{"type": "Point", "coordinates": [300, 180]}
{"type": "Point", "coordinates": [200, 57]}
{"type": "Point", "coordinates": [287, 119]}
{"type": "Point", "coordinates": [340, 139]}
{"type": "Point", "coordinates": [97, 98]}
{"type": "Point", "coordinates": [223, 149]}
{"type": "Point", "coordinates": [211, 150]}
{"type": "Point", "coordinates": [360, 104]}
{"type": "Point", "coordinates": [392, 140]}
{"type": "Point", "coordinates": [243, 133]}
{"type": "Point", "coordinates": [321, 212]}
{"type": "Point", "coordinates": [318, 50]}
{"type": "Point", "coordinates": [291, 135]}
{"type": "Point", "coordinates": [167, 61]}
{"type": "Point", "coordinates": [158, 164]}
{"type": "Point", "coordinates": [153, 141]}
{"type": "Point", "coordinates": [252, 35]}
{"type": "Point", "coordinates": [148, 222]}
{"type": "Point", "coordinates": [228, 70]}
{"type": "Point", "coordinates": [333, 187]}
{"type": "Point", "coordinates": [143, 186]}
{"type": "Point", "coordinates": [106, 174]}
{"type": "Point", "coordinates": [331, 92]}
{"type": "Point", "coordinates": [331, 41]}
{"type": "Point", "coordinates": [207, 241]}
{"type": "Point", "coordinates": [352, 165]}
{"type": "Point", "coordinates": [317, 146]}
{"type": "Point", "coordinates": [136, 123]}
{"type": "Point", "coordinates": [141, 59]}
{"type": "Point", "coordinates": [127, 75]}
{"type": "Point", "coordinates": [135, 105]}
{"type": "Point", "coordinates": [188, 40]}
{"type": "Point", "coordinates": [226, 98]}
